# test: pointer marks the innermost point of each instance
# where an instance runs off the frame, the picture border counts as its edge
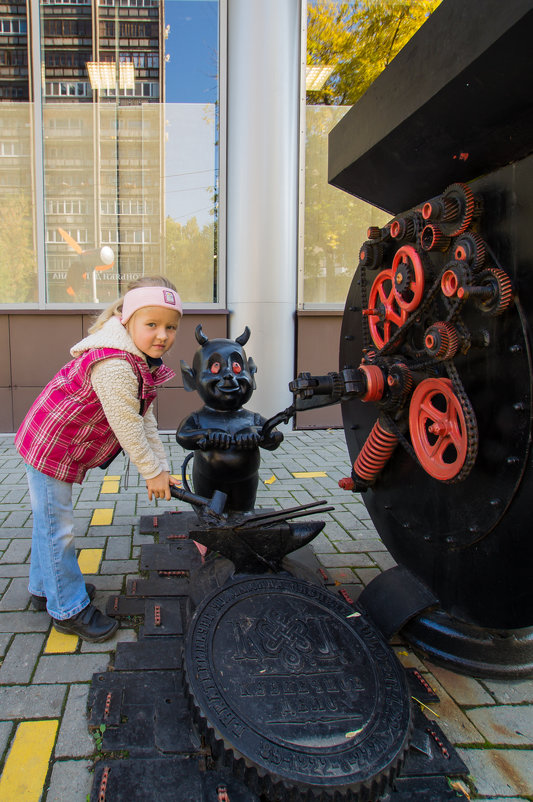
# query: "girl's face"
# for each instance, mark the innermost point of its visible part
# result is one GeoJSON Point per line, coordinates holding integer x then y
{"type": "Point", "coordinates": [153, 329]}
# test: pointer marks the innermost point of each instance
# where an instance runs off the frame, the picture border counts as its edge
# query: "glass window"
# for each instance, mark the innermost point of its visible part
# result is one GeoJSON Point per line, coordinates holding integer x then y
{"type": "Point", "coordinates": [348, 45]}
{"type": "Point", "coordinates": [129, 149]}
{"type": "Point", "coordinates": [18, 251]}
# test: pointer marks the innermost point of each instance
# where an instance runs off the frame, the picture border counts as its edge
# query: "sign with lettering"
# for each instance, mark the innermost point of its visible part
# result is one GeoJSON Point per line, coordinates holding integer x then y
{"type": "Point", "coordinates": [297, 686]}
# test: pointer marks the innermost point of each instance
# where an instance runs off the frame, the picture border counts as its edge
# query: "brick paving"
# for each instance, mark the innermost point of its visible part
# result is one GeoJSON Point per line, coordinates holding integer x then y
{"type": "Point", "coordinates": [490, 722]}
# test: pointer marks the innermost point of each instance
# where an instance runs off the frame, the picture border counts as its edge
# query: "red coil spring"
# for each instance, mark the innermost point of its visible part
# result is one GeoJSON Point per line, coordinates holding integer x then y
{"type": "Point", "coordinates": [375, 453]}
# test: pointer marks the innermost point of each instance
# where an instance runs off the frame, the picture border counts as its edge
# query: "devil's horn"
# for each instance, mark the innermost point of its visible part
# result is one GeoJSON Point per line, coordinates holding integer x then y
{"type": "Point", "coordinates": [200, 336]}
{"type": "Point", "coordinates": [244, 337]}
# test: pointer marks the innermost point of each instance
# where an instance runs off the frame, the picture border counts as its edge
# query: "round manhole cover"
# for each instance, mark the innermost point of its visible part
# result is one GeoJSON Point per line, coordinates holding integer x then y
{"type": "Point", "coordinates": [298, 692]}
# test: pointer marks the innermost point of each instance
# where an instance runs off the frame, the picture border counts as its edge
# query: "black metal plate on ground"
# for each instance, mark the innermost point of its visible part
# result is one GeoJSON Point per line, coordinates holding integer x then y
{"type": "Point", "coordinates": [159, 586]}
{"type": "Point", "coordinates": [163, 617]}
{"type": "Point", "coordinates": [150, 655]}
{"type": "Point", "coordinates": [181, 555]}
{"type": "Point", "coordinates": [121, 606]}
{"type": "Point", "coordinates": [133, 686]}
{"type": "Point", "coordinates": [303, 563]}
{"type": "Point", "coordinates": [279, 673]}
{"type": "Point", "coordinates": [350, 593]}
{"type": "Point", "coordinates": [142, 703]}
{"type": "Point", "coordinates": [431, 753]}
{"type": "Point", "coordinates": [419, 686]}
{"type": "Point", "coordinates": [168, 523]}
{"type": "Point", "coordinates": [144, 713]}
{"type": "Point", "coordinates": [423, 789]}
{"type": "Point", "coordinates": [165, 780]}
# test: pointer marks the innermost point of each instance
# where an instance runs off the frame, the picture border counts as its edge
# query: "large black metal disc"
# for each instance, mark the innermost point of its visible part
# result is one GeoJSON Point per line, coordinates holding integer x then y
{"type": "Point", "coordinates": [469, 541]}
{"type": "Point", "coordinates": [304, 700]}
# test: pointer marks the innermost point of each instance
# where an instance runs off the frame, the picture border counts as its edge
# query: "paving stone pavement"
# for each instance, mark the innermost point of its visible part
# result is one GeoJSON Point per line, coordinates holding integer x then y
{"type": "Point", "coordinates": [45, 682]}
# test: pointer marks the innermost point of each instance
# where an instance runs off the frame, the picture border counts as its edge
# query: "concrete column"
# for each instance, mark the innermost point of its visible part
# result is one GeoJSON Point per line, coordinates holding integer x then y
{"type": "Point", "coordinates": [262, 188]}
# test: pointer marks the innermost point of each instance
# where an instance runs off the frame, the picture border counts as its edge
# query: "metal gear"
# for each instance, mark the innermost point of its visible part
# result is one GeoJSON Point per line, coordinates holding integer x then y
{"type": "Point", "coordinates": [456, 275]}
{"type": "Point", "coordinates": [403, 228]}
{"type": "Point", "coordinates": [375, 382]}
{"type": "Point", "coordinates": [502, 296]}
{"type": "Point", "coordinates": [400, 384]}
{"type": "Point", "coordinates": [463, 197]}
{"type": "Point", "coordinates": [384, 314]}
{"type": "Point", "coordinates": [371, 254]}
{"type": "Point", "coordinates": [438, 429]}
{"type": "Point", "coordinates": [433, 239]}
{"type": "Point", "coordinates": [470, 247]}
{"type": "Point", "coordinates": [441, 340]}
{"type": "Point", "coordinates": [408, 273]}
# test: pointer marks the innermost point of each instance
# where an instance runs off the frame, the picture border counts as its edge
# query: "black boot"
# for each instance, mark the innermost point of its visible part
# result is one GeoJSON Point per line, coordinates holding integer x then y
{"type": "Point", "coordinates": [39, 602]}
{"type": "Point", "coordinates": [90, 624]}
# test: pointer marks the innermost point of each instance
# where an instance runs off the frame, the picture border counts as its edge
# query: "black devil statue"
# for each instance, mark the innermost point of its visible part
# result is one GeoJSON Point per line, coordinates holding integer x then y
{"type": "Point", "coordinates": [224, 436]}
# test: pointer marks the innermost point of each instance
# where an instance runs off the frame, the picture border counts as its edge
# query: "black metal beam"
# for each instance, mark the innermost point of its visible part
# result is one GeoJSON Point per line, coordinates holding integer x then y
{"type": "Point", "coordinates": [454, 104]}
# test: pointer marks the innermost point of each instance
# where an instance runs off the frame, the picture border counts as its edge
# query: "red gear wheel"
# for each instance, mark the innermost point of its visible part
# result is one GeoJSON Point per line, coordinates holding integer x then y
{"type": "Point", "coordinates": [408, 273]}
{"type": "Point", "coordinates": [375, 383]}
{"type": "Point", "coordinates": [470, 247]}
{"type": "Point", "coordinates": [504, 292]}
{"type": "Point", "coordinates": [449, 283]}
{"type": "Point", "coordinates": [441, 340]}
{"type": "Point", "coordinates": [438, 429]}
{"type": "Point", "coordinates": [384, 315]}
{"type": "Point", "coordinates": [432, 239]}
{"type": "Point", "coordinates": [466, 207]}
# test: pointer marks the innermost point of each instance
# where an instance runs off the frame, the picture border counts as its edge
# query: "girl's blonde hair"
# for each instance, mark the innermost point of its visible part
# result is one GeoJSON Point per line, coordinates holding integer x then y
{"type": "Point", "coordinates": [116, 307]}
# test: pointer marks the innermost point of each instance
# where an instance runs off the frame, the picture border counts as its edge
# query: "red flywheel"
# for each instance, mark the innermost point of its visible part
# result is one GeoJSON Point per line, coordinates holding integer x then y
{"type": "Point", "coordinates": [438, 429]}
{"type": "Point", "coordinates": [408, 274]}
{"type": "Point", "coordinates": [384, 314]}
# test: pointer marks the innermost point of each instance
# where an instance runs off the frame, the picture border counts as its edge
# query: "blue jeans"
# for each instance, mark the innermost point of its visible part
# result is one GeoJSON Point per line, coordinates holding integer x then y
{"type": "Point", "coordinates": [54, 569]}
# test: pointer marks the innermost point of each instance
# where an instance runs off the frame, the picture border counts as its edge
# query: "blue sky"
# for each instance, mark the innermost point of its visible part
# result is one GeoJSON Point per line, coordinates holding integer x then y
{"type": "Point", "coordinates": [192, 45]}
{"type": "Point", "coordinates": [191, 92]}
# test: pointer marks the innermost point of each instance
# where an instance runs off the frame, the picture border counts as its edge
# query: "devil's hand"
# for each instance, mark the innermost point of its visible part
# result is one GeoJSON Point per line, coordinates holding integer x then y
{"type": "Point", "coordinates": [247, 439]}
{"type": "Point", "coordinates": [221, 440]}
{"type": "Point", "coordinates": [272, 440]}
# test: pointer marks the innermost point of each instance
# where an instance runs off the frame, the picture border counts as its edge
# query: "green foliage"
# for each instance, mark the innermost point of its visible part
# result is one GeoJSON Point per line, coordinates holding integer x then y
{"type": "Point", "coordinates": [335, 222]}
{"type": "Point", "coordinates": [18, 259]}
{"type": "Point", "coordinates": [360, 38]}
{"type": "Point", "coordinates": [98, 736]}
{"type": "Point", "coordinates": [189, 259]}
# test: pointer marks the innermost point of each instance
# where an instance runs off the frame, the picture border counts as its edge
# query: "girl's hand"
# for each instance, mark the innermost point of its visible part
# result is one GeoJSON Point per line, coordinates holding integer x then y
{"type": "Point", "coordinates": [159, 486]}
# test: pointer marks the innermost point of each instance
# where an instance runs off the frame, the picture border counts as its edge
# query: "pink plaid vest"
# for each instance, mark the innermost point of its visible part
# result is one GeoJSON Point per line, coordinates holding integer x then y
{"type": "Point", "coordinates": [65, 431]}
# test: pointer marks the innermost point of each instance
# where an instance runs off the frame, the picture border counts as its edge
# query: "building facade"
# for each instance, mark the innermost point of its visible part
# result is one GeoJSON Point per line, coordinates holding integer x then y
{"type": "Point", "coordinates": [141, 137]}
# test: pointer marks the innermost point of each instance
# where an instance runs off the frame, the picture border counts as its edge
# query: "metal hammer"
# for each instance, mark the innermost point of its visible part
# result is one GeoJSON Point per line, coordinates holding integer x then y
{"type": "Point", "coordinates": [212, 506]}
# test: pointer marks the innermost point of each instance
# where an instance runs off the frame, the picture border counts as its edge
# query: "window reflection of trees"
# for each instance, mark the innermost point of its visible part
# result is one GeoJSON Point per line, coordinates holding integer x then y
{"type": "Point", "coordinates": [358, 40]}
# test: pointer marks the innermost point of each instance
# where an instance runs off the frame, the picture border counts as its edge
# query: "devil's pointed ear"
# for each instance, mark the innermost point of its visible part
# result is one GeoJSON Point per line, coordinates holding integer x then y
{"type": "Point", "coordinates": [189, 377]}
{"type": "Point", "coordinates": [243, 338]}
{"type": "Point", "coordinates": [252, 370]}
{"type": "Point", "coordinates": [201, 338]}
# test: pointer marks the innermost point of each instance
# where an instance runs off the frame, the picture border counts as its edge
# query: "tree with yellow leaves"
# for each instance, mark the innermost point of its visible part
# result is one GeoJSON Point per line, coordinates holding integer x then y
{"type": "Point", "coordinates": [359, 39]}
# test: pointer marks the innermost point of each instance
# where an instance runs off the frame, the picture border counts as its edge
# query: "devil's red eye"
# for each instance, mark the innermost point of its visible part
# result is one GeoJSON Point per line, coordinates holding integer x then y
{"type": "Point", "coordinates": [236, 367]}
{"type": "Point", "coordinates": [215, 367]}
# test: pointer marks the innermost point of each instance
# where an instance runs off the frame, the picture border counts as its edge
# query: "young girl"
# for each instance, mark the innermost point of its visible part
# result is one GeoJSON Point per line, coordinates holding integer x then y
{"type": "Point", "coordinates": [98, 404]}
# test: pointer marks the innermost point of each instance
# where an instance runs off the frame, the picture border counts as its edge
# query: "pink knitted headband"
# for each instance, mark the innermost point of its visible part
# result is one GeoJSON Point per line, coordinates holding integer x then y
{"type": "Point", "coordinates": [149, 296]}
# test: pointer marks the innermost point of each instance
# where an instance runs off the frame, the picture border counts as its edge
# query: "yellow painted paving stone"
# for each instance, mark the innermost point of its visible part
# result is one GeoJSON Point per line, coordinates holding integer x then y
{"type": "Point", "coordinates": [102, 517]}
{"type": "Point", "coordinates": [110, 486]}
{"type": "Point", "coordinates": [60, 643]}
{"type": "Point", "coordinates": [89, 560]}
{"type": "Point", "coordinates": [26, 765]}
{"type": "Point", "coordinates": [109, 478]}
{"type": "Point", "coordinates": [308, 474]}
